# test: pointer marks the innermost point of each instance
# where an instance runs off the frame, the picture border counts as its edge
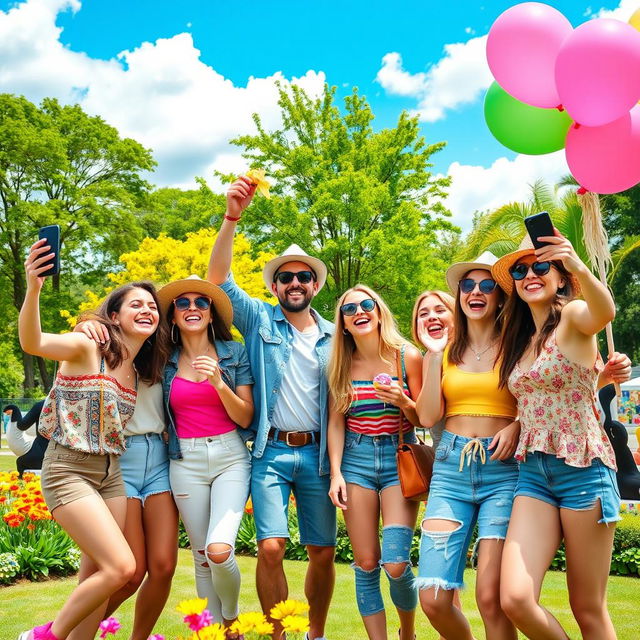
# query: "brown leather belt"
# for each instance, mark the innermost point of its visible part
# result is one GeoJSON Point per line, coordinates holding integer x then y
{"type": "Point", "coordinates": [295, 438]}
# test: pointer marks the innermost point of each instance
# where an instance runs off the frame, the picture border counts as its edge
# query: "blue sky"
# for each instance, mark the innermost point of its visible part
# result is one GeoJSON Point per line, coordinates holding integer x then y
{"type": "Point", "coordinates": [183, 84]}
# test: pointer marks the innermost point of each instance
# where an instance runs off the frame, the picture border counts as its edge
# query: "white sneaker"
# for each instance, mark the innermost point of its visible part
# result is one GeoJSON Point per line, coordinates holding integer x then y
{"type": "Point", "coordinates": [26, 635]}
{"type": "Point", "coordinates": [306, 637]}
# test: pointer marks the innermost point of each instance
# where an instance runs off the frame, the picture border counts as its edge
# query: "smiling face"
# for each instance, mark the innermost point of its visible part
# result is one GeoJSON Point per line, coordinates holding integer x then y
{"type": "Point", "coordinates": [536, 289]}
{"type": "Point", "coordinates": [434, 316]}
{"type": "Point", "coordinates": [192, 320]}
{"type": "Point", "coordinates": [475, 304]}
{"type": "Point", "coordinates": [294, 296]}
{"type": "Point", "coordinates": [138, 314]}
{"type": "Point", "coordinates": [362, 322]}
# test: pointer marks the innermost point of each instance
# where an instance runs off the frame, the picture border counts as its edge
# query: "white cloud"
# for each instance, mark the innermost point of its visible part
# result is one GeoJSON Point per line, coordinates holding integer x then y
{"type": "Point", "coordinates": [160, 93]}
{"type": "Point", "coordinates": [622, 12]}
{"type": "Point", "coordinates": [458, 78]}
{"type": "Point", "coordinates": [476, 188]}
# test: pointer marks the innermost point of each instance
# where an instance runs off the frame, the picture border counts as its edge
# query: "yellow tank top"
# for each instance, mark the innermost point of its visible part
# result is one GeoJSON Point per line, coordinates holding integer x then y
{"type": "Point", "coordinates": [475, 394]}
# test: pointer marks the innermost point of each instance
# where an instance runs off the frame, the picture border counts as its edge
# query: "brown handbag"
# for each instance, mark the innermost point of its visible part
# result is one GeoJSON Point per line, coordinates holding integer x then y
{"type": "Point", "coordinates": [415, 461]}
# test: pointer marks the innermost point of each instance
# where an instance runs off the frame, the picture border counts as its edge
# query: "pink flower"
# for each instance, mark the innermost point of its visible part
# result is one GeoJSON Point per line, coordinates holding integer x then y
{"type": "Point", "coordinates": [110, 625]}
{"type": "Point", "coordinates": [156, 636]}
{"type": "Point", "coordinates": [197, 621]}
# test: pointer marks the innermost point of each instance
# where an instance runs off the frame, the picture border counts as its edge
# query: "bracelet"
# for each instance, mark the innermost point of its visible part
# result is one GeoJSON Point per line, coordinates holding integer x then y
{"type": "Point", "coordinates": [226, 217]}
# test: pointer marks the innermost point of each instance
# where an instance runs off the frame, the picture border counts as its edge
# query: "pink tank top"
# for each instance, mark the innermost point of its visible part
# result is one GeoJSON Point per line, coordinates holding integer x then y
{"type": "Point", "coordinates": [198, 409]}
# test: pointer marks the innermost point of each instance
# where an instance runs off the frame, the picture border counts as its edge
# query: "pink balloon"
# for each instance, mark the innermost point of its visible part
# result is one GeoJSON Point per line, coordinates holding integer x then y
{"type": "Point", "coordinates": [598, 71]}
{"type": "Point", "coordinates": [521, 50]}
{"type": "Point", "coordinates": [606, 159]}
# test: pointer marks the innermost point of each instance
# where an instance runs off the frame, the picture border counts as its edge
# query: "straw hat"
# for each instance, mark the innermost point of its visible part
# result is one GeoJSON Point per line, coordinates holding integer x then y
{"type": "Point", "coordinates": [456, 271]}
{"type": "Point", "coordinates": [500, 269]}
{"type": "Point", "coordinates": [194, 284]}
{"type": "Point", "coordinates": [294, 254]}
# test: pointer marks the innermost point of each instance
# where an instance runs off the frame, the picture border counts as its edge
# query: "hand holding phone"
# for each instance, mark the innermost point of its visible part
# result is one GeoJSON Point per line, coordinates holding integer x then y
{"type": "Point", "coordinates": [52, 236]}
{"type": "Point", "coordinates": [538, 226]}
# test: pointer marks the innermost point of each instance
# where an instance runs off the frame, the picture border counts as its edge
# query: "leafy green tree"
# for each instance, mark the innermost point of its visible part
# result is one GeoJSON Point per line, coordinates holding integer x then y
{"type": "Point", "coordinates": [364, 201]}
{"type": "Point", "coordinates": [59, 165]}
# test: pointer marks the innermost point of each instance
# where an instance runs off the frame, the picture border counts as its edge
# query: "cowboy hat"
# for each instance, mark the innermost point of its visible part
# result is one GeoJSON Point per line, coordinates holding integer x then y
{"type": "Point", "coordinates": [294, 253]}
{"type": "Point", "coordinates": [456, 271]}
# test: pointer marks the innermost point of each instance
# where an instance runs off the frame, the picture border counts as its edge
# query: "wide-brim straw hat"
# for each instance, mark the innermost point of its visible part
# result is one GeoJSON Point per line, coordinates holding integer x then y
{"type": "Point", "coordinates": [294, 253]}
{"type": "Point", "coordinates": [456, 271]}
{"type": "Point", "coordinates": [502, 275]}
{"type": "Point", "coordinates": [194, 284]}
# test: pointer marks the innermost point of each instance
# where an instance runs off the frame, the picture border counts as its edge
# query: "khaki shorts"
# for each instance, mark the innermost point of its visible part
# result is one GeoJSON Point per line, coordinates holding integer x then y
{"type": "Point", "coordinates": [69, 475]}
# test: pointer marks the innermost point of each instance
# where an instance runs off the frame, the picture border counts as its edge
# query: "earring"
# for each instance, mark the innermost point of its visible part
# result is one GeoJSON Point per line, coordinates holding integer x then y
{"type": "Point", "coordinates": [346, 333]}
{"type": "Point", "coordinates": [174, 338]}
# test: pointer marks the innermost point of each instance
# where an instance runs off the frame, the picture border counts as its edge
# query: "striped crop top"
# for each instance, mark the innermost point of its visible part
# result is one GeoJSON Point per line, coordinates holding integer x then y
{"type": "Point", "coordinates": [475, 394]}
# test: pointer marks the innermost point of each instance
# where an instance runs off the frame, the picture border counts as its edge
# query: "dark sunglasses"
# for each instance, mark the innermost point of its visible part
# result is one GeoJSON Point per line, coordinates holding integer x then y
{"type": "Point", "coordinates": [467, 285]}
{"type": "Point", "coordinates": [519, 271]}
{"type": "Point", "coordinates": [183, 303]}
{"type": "Point", "coordinates": [285, 277]}
{"type": "Point", "coordinates": [351, 308]}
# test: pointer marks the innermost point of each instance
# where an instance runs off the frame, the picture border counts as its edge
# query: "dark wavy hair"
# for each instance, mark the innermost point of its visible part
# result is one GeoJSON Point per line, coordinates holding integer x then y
{"type": "Point", "coordinates": [154, 353]}
{"type": "Point", "coordinates": [518, 327]}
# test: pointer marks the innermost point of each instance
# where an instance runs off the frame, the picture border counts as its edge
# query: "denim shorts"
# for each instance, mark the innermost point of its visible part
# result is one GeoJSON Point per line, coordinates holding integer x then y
{"type": "Point", "coordinates": [145, 466]}
{"type": "Point", "coordinates": [552, 480]}
{"type": "Point", "coordinates": [466, 488]}
{"type": "Point", "coordinates": [283, 469]}
{"type": "Point", "coordinates": [370, 461]}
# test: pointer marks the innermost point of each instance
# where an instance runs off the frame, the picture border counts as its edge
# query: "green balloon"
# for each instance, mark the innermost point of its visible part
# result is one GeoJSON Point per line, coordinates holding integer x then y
{"type": "Point", "coordinates": [523, 128]}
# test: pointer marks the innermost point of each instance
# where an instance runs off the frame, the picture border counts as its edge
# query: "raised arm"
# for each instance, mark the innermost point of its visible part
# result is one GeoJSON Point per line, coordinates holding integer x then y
{"type": "Point", "coordinates": [67, 346]}
{"type": "Point", "coordinates": [239, 197]}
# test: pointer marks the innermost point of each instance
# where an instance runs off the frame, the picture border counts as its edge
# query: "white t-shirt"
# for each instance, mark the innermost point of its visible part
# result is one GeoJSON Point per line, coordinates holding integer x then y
{"type": "Point", "coordinates": [298, 405]}
{"type": "Point", "coordinates": [148, 416]}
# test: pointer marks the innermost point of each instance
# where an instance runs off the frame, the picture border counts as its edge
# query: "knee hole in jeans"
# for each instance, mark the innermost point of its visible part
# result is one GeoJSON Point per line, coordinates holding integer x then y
{"type": "Point", "coordinates": [218, 552]}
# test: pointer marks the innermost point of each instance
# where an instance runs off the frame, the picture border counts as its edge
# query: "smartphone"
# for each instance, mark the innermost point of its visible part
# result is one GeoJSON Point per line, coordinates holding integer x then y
{"type": "Point", "coordinates": [52, 236]}
{"type": "Point", "coordinates": [539, 225]}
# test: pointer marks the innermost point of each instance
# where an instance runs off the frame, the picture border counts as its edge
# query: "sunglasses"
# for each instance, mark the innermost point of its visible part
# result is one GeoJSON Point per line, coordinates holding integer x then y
{"type": "Point", "coordinates": [183, 303]}
{"type": "Point", "coordinates": [351, 308]}
{"type": "Point", "coordinates": [467, 285]}
{"type": "Point", "coordinates": [285, 277]}
{"type": "Point", "coordinates": [519, 271]}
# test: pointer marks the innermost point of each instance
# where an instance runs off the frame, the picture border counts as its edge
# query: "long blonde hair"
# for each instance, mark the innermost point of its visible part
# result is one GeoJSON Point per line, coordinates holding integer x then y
{"type": "Point", "coordinates": [343, 346]}
{"type": "Point", "coordinates": [446, 299]}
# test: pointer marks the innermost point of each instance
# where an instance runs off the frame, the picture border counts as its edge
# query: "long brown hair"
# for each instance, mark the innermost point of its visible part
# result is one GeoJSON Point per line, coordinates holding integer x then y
{"type": "Point", "coordinates": [152, 356]}
{"type": "Point", "coordinates": [460, 340]}
{"type": "Point", "coordinates": [343, 346]}
{"type": "Point", "coordinates": [446, 299]}
{"type": "Point", "coordinates": [518, 326]}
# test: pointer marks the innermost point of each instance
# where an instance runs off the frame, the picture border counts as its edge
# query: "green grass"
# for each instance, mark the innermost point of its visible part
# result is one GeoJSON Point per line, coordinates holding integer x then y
{"type": "Point", "coordinates": [7, 462]}
{"type": "Point", "coordinates": [26, 603]}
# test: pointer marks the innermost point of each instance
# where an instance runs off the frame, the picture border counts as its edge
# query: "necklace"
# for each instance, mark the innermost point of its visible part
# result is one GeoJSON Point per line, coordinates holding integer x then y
{"type": "Point", "coordinates": [479, 354]}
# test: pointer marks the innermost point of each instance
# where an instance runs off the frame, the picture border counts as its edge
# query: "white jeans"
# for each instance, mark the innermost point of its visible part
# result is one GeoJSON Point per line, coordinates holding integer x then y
{"type": "Point", "coordinates": [210, 486]}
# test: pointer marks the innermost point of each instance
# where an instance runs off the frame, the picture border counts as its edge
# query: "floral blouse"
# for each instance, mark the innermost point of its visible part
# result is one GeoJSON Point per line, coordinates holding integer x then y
{"type": "Point", "coordinates": [557, 409]}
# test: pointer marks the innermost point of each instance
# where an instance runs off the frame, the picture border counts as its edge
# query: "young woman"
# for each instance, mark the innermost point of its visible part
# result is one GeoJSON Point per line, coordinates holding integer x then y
{"type": "Point", "coordinates": [91, 401]}
{"type": "Point", "coordinates": [151, 526]}
{"type": "Point", "coordinates": [364, 423]}
{"type": "Point", "coordinates": [474, 475]}
{"type": "Point", "coordinates": [207, 394]}
{"type": "Point", "coordinates": [567, 485]}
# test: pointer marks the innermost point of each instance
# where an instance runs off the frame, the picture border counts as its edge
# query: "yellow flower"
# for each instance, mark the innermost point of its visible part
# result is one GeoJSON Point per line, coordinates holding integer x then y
{"type": "Point", "coordinates": [247, 622]}
{"type": "Point", "coordinates": [257, 176]}
{"type": "Point", "coordinates": [264, 628]}
{"type": "Point", "coordinates": [212, 632]}
{"type": "Point", "coordinates": [288, 608]}
{"type": "Point", "coordinates": [192, 607]}
{"type": "Point", "coordinates": [295, 624]}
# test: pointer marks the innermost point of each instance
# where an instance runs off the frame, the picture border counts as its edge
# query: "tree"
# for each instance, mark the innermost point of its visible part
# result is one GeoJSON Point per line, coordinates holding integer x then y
{"type": "Point", "coordinates": [365, 202]}
{"type": "Point", "coordinates": [60, 166]}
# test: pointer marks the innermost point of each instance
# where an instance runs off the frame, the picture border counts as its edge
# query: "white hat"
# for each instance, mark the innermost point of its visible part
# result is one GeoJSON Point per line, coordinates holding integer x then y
{"type": "Point", "coordinates": [294, 254]}
{"type": "Point", "coordinates": [456, 271]}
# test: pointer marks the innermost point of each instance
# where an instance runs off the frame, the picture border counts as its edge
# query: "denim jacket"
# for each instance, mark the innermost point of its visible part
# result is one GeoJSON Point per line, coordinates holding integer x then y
{"type": "Point", "coordinates": [268, 336]}
{"type": "Point", "coordinates": [235, 370]}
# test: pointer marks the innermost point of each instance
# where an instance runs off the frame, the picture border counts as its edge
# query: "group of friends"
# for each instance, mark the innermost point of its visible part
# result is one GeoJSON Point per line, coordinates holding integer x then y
{"type": "Point", "coordinates": [154, 403]}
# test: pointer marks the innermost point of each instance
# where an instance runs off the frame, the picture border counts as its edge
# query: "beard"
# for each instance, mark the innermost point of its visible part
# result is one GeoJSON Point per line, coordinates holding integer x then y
{"type": "Point", "coordinates": [301, 305]}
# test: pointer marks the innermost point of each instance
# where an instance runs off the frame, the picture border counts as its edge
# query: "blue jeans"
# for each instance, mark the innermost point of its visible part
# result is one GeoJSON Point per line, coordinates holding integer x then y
{"type": "Point", "coordinates": [370, 461]}
{"type": "Point", "coordinates": [283, 469]}
{"type": "Point", "coordinates": [145, 466]}
{"type": "Point", "coordinates": [552, 480]}
{"type": "Point", "coordinates": [466, 488]}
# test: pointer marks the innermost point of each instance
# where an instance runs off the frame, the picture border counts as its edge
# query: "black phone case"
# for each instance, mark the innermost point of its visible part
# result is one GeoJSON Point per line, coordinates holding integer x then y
{"type": "Point", "coordinates": [539, 225]}
{"type": "Point", "coordinates": [52, 235]}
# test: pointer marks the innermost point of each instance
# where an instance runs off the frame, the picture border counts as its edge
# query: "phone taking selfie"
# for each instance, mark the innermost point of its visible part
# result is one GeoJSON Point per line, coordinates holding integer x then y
{"type": "Point", "coordinates": [539, 225]}
{"type": "Point", "coordinates": [52, 236]}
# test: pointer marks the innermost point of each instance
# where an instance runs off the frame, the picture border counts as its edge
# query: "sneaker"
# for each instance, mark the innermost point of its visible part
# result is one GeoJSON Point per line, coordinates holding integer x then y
{"type": "Point", "coordinates": [306, 637]}
{"type": "Point", "coordinates": [26, 635]}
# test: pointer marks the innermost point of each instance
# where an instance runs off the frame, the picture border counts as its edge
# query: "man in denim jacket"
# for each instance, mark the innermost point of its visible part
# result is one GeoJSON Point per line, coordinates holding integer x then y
{"type": "Point", "coordinates": [288, 346]}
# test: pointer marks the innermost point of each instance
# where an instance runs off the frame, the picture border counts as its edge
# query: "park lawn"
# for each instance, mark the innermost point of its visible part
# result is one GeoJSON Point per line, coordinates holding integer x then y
{"type": "Point", "coordinates": [26, 603]}
{"type": "Point", "coordinates": [7, 462]}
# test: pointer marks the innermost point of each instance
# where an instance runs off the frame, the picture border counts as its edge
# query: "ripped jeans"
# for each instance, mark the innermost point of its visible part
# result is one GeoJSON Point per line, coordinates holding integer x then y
{"type": "Point", "coordinates": [466, 488]}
